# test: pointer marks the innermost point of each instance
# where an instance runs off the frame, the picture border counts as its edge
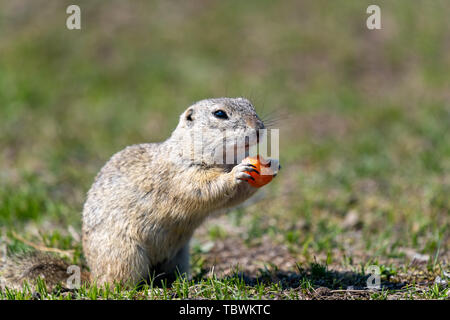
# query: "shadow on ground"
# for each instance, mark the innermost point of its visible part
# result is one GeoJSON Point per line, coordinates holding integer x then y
{"type": "Point", "coordinates": [317, 282]}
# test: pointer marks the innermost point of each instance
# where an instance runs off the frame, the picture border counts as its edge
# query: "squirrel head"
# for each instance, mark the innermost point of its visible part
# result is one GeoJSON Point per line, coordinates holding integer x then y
{"type": "Point", "coordinates": [219, 130]}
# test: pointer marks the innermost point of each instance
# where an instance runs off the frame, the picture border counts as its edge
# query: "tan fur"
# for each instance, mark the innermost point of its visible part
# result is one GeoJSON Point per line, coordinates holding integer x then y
{"type": "Point", "coordinates": [148, 199]}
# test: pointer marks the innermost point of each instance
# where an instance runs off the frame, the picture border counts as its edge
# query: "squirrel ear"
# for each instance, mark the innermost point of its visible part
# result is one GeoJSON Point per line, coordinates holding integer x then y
{"type": "Point", "coordinates": [188, 115]}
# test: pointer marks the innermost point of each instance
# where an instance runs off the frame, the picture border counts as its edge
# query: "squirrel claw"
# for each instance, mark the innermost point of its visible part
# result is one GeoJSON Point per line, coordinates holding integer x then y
{"type": "Point", "coordinates": [253, 170]}
{"type": "Point", "coordinates": [242, 170]}
{"type": "Point", "coordinates": [244, 177]}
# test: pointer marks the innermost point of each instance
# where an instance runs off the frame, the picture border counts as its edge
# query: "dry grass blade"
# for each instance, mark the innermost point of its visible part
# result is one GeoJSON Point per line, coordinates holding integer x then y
{"type": "Point", "coordinates": [68, 253]}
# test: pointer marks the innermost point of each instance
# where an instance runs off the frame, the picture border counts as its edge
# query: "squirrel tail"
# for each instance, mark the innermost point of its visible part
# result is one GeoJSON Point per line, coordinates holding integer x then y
{"type": "Point", "coordinates": [28, 267]}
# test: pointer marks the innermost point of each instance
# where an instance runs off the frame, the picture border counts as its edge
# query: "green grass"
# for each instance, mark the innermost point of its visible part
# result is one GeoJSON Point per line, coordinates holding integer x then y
{"type": "Point", "coordinates": [363, 117]}
{"type": "Point", "coordinates": [317, 282]}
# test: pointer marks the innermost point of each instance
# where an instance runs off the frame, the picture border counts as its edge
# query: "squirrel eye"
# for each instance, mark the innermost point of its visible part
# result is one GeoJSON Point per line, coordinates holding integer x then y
{"type": "Point", "coordinates": [220, 114]}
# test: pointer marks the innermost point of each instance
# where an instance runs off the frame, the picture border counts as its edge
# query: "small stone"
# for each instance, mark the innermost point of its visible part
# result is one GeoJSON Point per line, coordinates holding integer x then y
{"type": "Point", "coordinates": [440, 281]}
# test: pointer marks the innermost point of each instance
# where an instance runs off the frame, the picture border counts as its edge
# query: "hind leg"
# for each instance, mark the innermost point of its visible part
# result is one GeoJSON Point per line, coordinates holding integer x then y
{"type": "Point", "coordinates": [130, 269]}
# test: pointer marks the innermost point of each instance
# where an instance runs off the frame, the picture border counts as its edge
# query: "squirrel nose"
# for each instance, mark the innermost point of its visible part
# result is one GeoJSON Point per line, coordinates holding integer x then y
{"type": "Point", "coordinates": [255, 123]}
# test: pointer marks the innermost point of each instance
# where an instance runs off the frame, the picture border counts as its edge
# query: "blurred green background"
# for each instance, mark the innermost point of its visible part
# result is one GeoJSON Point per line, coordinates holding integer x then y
{"type": "Point", "coordinates": [364, 115]}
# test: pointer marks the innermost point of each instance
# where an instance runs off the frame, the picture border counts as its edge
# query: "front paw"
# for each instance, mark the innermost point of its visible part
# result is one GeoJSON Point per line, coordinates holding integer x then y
{"type": "Point", "coordinates": [242, 170]}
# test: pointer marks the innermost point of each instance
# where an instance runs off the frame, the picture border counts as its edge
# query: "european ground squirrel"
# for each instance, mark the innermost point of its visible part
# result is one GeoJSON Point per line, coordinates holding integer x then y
{"type": "Point", "coordinates": [148, 199]}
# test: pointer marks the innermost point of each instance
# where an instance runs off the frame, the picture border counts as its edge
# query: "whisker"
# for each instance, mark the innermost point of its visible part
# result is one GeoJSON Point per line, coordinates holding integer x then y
{"type": "Point", "coordinates": [270, 115]}
{"type": "Point", "coordinates": [274, 118]}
